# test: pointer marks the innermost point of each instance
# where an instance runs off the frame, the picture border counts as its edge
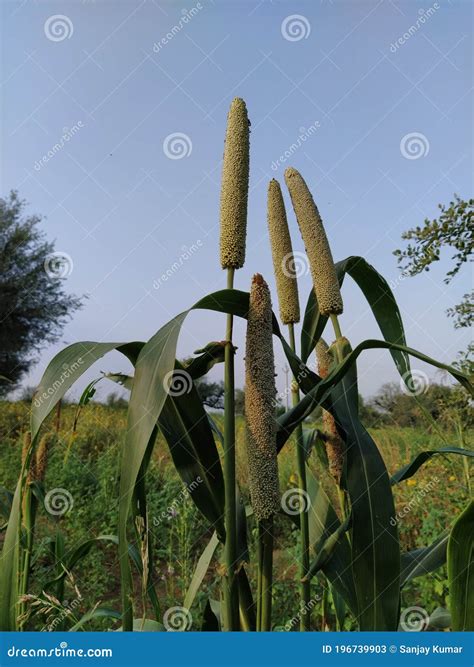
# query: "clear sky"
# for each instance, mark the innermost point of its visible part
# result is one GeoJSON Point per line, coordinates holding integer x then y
{"type": "Point", "coordinates": [342, 74]}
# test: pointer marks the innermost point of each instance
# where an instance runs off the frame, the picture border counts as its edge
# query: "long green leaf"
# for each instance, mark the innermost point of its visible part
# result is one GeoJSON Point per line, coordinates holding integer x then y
{"type": "Point", "coordinates": [374, 537]}
{"type": "Point", "coordinates": [419, 562]}
{"type": "Point", "coordinates": [317, 391]}
{"type": "Point", "coordinates": [325, 551]}
{"type": "Point", "coordinates": [381, 301]}
{"type": "Point", "coordinates": [9, 566]}
{"type": "Point", "coordinates": [64, 370]}
{"type": "Point", "coordinates": [187, 430]}
{"type": "Point", "coordinates": [201, 570]}
{"type": "Point", "coordinates": [461, 571]}
{"type": "Point", "coordinates": [185, 426]}
{"type": "Point", "coordinates": [323, 522]}
{"type": "Point", "coordinates": [421, 458]}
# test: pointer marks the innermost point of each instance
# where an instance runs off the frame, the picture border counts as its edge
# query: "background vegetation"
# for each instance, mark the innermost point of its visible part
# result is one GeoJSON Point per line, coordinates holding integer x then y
{"type": "Point", "coordinates": [86, 463]}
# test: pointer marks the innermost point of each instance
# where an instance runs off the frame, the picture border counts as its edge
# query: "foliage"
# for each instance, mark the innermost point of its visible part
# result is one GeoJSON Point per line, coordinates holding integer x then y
{"type": "Point", "coordinates": [211, 393]}
{"type": "Point", "coordinates": [91, 474]}
{"type": "Point", "coordinates": [444, 404]}
{"type": "Point", "coordinates": [454, 228]}
{"type": "Point", "coordinates": [34, 305]}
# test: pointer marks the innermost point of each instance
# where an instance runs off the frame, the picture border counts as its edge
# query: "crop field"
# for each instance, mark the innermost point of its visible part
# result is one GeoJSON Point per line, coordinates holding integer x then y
{"type": "Point", "coordinates": [85, 462]}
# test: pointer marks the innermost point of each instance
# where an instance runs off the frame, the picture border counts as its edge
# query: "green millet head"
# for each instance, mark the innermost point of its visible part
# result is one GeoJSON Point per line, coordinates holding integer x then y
{"type": "Point", "coordinates": [326, 357]}
{"type": "Point", "coordinates": [323, 358]}
{"type": "Point", "coordinates": [282, 253]}
{"type": "Point", "coordinates": [26, 446]}
{"type": "Point", "coordinates": [260, 393]}
{"type": "Point", "coordinates": [235, 185]}
{"type": "Point", "coordinates": [41, 459]}
{"type": "Point", "coordinates": [323, 271]}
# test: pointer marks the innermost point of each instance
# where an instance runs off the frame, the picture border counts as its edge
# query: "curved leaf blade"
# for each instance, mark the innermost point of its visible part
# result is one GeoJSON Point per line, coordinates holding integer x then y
{"type": "Point", "coordinates": [418, 562]}
{"type": "Point", "coordinates": [374, 535]}
{"type": "Point", "coordinates": [380, 299]}
{"type": "Point", "coordinates": [461, 571]}
{"type": "Point", "coordinates": [64, 370]}
{"type": "Point", "coordinates": [323, 522]}
{"type": "Point", "coordinates": [201, 570]}
{"type": "Point", "coordinates": [410, 469]}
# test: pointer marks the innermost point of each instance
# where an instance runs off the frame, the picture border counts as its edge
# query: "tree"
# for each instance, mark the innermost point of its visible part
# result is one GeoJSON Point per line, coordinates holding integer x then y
{"type": "Point", "coordinates": [211, 393]}
{"type": "Point", "coordinates": [454, 228]}
{"type": "Point", "coordinates": [34, 306]}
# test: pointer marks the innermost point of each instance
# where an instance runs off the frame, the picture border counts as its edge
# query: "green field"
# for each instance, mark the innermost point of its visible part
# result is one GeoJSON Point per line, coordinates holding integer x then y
{"type": "Point", "coordinates": [85, 462]}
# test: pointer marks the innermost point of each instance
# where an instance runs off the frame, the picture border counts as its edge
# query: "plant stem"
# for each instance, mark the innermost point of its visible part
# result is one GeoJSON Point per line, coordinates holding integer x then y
{"type": "Point", "coordinates": [305, 619]}
{"type": "Point", "coordinates": [340, 359]}
{"type": "Point", "coordinates": [259, 580]}
{"type": "Point", "coordinates": [28, 524]}
{"type": "Point", "coordinates": [337, 331]}
{"type": "Point", "coordinates": [231, 598]}
{"type": "Point", "coordinates": [265, 538]}
{"type": "Point", "coordinates": [324, 605]}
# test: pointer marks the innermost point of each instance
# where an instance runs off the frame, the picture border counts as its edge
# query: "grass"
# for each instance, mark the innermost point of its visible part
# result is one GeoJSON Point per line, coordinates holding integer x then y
{"type": "Point", "coordinates": [434, 496]}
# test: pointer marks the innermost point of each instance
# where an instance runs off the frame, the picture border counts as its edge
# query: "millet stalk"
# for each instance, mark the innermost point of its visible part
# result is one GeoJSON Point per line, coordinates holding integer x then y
{"type": "Point", "coordinates": [305, 619]}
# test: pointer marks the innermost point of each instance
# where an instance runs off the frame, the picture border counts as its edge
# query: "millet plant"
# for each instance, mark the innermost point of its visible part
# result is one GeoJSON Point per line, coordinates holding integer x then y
{"type": "Point", "coordinates": [354, 547]}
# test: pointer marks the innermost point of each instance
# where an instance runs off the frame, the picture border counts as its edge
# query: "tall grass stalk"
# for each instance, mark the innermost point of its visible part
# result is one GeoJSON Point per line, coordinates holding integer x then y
{"type": "Point", "coordinates": [260, 392]}
{"type": "Point", "coordinates": [233, 227]}
{"type": "Point", "coordinates": [231, 594]}
{"type": "Point", "coordinates": [264, 602]}
{"type": "Point", "coordinates": [305, 619]}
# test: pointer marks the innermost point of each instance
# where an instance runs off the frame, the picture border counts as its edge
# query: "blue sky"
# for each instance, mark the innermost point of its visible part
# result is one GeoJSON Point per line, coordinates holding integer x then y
{"type": "Point", "coordinates": [124, 211]}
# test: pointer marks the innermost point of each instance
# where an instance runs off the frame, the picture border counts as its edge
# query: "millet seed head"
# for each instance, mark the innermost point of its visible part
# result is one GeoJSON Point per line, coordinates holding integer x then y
{"type": "Point", "coordinates": [26, 446]}
{"type": "Point", "coordinates": [323, 271]}
{"type": "Point", "coordinates": [323, 358]}
{"type": "Point", "coordinates": [326, 357]}
{"type": "Point", "coordinates": [260, 393]}
{"type": "Point", "coordinates": [41, 458]}
{"type": "Point", "coordinates": [234, 189]}
{"type": "Point", "coordinates": [334, 446]}
{"type": "Point", "coordinates": [282, 254]}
